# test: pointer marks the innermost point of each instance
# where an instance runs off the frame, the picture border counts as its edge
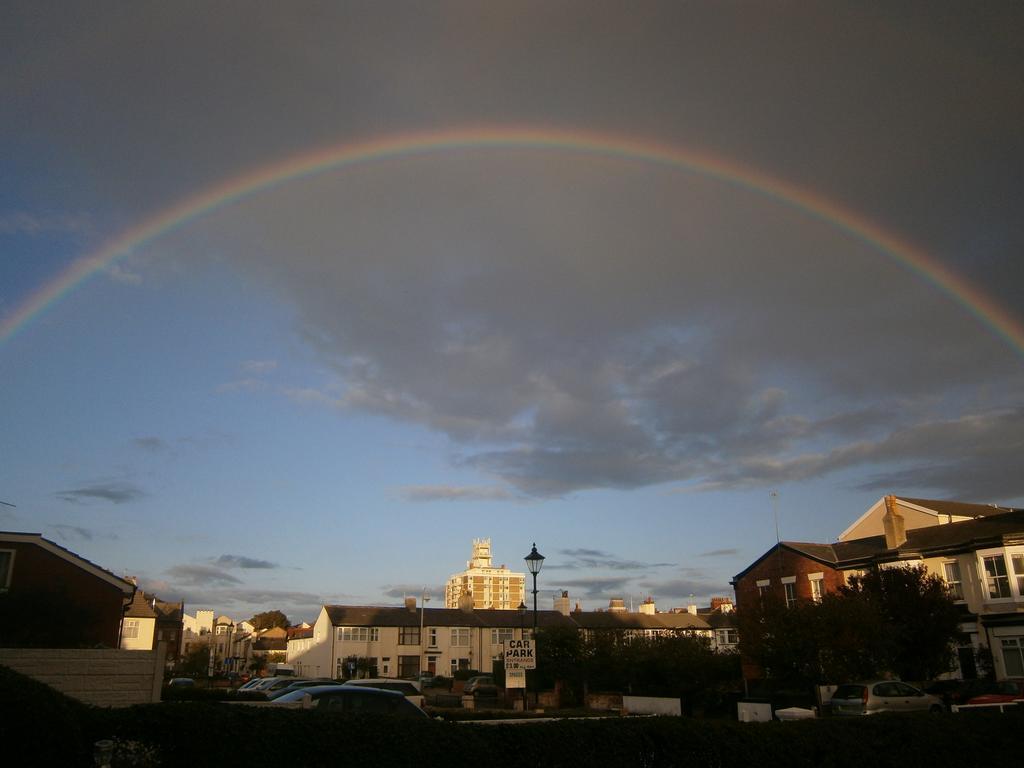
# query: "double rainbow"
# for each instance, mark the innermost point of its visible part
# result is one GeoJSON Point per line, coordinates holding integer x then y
{"type": "Point", "coordinates": [340, 156]}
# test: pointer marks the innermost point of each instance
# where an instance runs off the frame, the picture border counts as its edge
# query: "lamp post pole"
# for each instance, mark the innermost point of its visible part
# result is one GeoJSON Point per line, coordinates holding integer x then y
{"type": "Point", "coordinates": [522, 631]}
{"type": "Point", "coordinates": [534, 561]}
{"type": "Point", "coordinates": [423, 601]}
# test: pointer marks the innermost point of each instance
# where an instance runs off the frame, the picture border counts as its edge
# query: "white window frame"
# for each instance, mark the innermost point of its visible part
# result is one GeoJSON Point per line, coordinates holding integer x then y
{"type": "Point", "coordinates": [1014, 581]}
{"type": "Point", "coordinates": [502, 636]}
{"type": "Point", "coordinates": [955, 586]}
{"type": "Point", "coordinates": [461, 637]}
{"type": "Point", "coordinates": [432, 637]}
{"type": "Point", "coordinates": [130, 630]}
{"type": "Point", "coordinates": [789, 589]}
{"type": "Point", "coordinates": [358, 634]}
{"type": "Point", "coordinates": [817, 581]}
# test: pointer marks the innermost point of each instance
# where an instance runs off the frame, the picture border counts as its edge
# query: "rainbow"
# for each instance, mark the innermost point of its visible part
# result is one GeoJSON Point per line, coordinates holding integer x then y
{"type": "Point", "coordinates": [340, 156]}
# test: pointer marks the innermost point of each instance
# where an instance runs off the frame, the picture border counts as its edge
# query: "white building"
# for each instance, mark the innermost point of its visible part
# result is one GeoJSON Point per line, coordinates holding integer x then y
{"type": "Point", "coordinates": [490, 587]}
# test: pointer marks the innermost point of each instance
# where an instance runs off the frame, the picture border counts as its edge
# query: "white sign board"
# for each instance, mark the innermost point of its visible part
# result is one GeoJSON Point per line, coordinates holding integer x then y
{"type": "Point", "coordinates": [515, 678]}
{"type": "Point", "coordinates": [519, 655]}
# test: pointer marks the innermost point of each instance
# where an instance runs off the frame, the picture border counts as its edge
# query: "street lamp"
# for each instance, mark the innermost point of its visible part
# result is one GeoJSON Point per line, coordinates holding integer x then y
{"type": "Point", "coordinates": [534, 561]}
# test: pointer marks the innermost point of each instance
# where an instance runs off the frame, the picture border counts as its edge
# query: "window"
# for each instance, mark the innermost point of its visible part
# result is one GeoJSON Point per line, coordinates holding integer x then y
{"type": "Point", "coordinates": [409, 666]}
{"type": "Point", "coordinates": [359, 634]}
{"type": "Point", "coordinates": [1017, 560]}
{"type": "Point", "coordinates": [727, 636]}
{"type": "Point", "coordinates": [953, 582]}
{"type": "Point", "coordinates": [460, 637]}
{"type": "Point", "coordinates": [408, 636]}
{"type": "Point", "coordinates": [458, 664]}
{"type": "Point", "coordinates": [817, 585]}
{"type": "Point", "coordinates": [385, 666]}
{"type": "Point", "coordinates": [432, 637]}
{"type": "Point", "coordinates": [6, 568]}
{"type": "Point", "coordinates": [762, 588]}
{"type": "Point", "coordinates": [789, 584]}
{"type": "Point", "coordinates": [1013, 656]}
{"type": "Point", "coordinates": [501, 636]}
{"type": "Point", "coordinates": [996, 579]}
{"type": "Point", "coordinates": [131, 629]}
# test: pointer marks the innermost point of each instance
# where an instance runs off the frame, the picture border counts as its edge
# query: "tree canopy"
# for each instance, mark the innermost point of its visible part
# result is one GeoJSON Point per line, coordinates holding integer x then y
{"type": "Point", "coordinates": [269, 620]}
{"type": "Point", "coordinates": [896, 620]}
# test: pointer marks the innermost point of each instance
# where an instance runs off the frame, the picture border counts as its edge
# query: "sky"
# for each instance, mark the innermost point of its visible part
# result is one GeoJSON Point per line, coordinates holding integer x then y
{"type": "Point", "coordinates": [298, 299]}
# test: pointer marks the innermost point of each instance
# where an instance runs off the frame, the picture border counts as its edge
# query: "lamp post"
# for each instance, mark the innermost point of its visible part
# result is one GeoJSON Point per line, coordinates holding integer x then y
{"type": "Point", "coordinates": [534, 561]}
{"type": "Point", "coordinates": [423, 602]}
{"type": "Point", "coordinates": [521, 608]}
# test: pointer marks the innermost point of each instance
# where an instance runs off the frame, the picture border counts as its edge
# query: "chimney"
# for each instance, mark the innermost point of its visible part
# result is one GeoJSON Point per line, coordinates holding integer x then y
{"type": "Point", "coordinates": [410, 604]}
{"type": "Point", "coordinates": [894, 525]}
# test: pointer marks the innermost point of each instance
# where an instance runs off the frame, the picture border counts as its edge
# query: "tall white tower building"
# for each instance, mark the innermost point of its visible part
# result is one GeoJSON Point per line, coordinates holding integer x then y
{"type": "Point", "coordinates": [489, 587]}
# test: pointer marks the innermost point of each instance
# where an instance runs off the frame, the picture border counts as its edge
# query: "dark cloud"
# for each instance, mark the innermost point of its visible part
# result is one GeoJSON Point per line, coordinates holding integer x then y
{"type": "Point", "coordinates": [72, 532]}
{"type": "Point", "coordinates": [239, 561]}
{"type": "Point", "coordinates": [195, 575]}
{"type": "Point", "coordinates": [684, 588]}
{"type": "Point", "coordinates": [435, 594]}
{"type": "Point", "coordinates": [576, 320]}
{"type": "Point", "coordinates": [719, 553]}
{"type": "Point", "coordinates": [596, 587]}
{"type": "Point", "coordinates": [596, 559]}
{"type": "Point", "coordinates": [114, 492]}
{"type": "Point", "coordinates": [455, 493]}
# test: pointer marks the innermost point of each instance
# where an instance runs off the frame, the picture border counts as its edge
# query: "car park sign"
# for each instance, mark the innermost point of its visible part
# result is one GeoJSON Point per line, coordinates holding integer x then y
{"type": "Point", "coordinates": [519, 654]}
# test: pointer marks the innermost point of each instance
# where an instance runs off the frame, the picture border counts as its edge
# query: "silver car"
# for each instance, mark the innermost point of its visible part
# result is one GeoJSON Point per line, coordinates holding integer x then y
{"type": "Point", "coordinates": [882, 696]}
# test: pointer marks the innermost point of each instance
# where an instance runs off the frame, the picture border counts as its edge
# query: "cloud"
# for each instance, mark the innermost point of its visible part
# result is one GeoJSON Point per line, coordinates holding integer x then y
{"type": "Point", "coordinates": [25, 223]}
{"type": "Point", "coordinates": [683, 588]}
{"type": "Point", "coordinates": [259, 366]}
{"type": "Point", "coordinates": [72, 532]}
{"type": "Point", "coordinates": [594, 558]}
{"type": "Point", "coordinates": [719, 553]}
{"type": "Point", "coordinates": [596, 587]}
{"type": "Point", "coordinates": [201, 575]}
{"type": "Point", "coordinates": [239, 561]}
{"type": "Point", "coordinates": [119, 274]}
{"type": "Point", "coordinates": [414, 590]}
{"type": "Point", "coordinates": [114, 492]}
{"type": "Point", "coordinates": [455, 493]}
{"type": "Point", "coordinates": [151, 444]}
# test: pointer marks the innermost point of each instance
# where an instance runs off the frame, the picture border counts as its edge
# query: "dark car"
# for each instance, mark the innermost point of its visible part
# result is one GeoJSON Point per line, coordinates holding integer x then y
{"type": "Point", "coordinates": [354, 700]}
{"type": "Point", "coordinates": [962, 691]}
{"type": "Point", "coordinates": [481, 685]}
{"type": "Point", "coordinates": [182, 682]}
{"type": "Point", "coordinates": [296, 685]}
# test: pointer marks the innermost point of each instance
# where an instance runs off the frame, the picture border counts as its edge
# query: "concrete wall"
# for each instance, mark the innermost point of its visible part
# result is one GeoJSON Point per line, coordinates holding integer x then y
{"type": "Point", "coordinates": [651, 705]}
{"type": "Point", "coordinates": [103, 677]}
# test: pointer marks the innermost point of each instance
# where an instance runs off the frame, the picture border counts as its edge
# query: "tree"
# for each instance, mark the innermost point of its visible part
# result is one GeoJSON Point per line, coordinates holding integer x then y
{"type": "Point", "coordinates": [196, 661]}
{"type": "Point", "coordinates": [918, 616]}
{"type": "Point", "coordinates": [897, 620]}
{"type": "Point", "coordinates": [269, 620]}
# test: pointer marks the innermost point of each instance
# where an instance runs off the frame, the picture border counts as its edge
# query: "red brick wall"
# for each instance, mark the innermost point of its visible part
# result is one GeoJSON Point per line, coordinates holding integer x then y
{"type": "Point", "coordinates": [35, 569]}
{"type": "Point", "coordinates": [783, 562]}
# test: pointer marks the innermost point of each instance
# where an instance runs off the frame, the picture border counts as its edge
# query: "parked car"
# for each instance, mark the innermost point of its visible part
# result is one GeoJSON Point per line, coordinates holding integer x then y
{"type": "Point", "coordinates": [428, 680]}
{"type": "Point", "coordinates": [405, 687]}
{"type": "Point", "coordinates": [481, 685]}
{"type": "Point", "coordinates": [355, 700]}
{"type": "Point", "coordinates": [1002, 692]}
{"type": "Point", "coordinates": [882, 696]}
{"type": "Point", "coordinates": [295, 685]}
{"type": "Point", "coordinates": [182, 682]}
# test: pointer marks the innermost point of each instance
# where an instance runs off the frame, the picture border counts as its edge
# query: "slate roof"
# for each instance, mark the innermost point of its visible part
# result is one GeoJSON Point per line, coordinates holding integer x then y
{"type": "Point", "coordinates": [400, 616]}
{"type": "Point", "coordinates": [959, 508]}
{"type": "Point", "coordinates": [992, 530]}
{"type": "Point", "coordinates": [139, 608]}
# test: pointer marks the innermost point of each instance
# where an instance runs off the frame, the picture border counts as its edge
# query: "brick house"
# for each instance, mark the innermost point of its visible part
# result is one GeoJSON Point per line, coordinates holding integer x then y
{"type": "Point", "coordinates": [51, 597]}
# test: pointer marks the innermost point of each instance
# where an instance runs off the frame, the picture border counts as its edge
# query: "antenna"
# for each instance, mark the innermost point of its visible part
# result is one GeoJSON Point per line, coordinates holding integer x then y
{"type": "Point", "coordinates": [775, 513]}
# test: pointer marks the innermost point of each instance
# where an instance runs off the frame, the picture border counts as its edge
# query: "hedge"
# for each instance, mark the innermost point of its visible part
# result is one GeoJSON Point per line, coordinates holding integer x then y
{"type": "Point", "coordinates": [208, 733]}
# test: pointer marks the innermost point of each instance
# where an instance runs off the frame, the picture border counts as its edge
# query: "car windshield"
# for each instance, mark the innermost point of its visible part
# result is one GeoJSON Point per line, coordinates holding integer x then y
{"type": "Point", "coordinates": [849, 692]}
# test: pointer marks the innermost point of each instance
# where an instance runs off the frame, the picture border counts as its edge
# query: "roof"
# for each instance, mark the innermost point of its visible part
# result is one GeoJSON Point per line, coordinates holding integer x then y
{"type": "Point", "coordinates": [299, 633]}
{"type": "Point", "coordinates": [270, 644]}
{"type": "Point", "coordinates": [399, 616]}
{"type": "Point", "coordinates": [993, 530]}
{"type": "Point", "coordinates": [53, 548]}
{"type": "Point", "coordinates": [935, 506]}
{"type": "Point", "coordinates": [139, 608]}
